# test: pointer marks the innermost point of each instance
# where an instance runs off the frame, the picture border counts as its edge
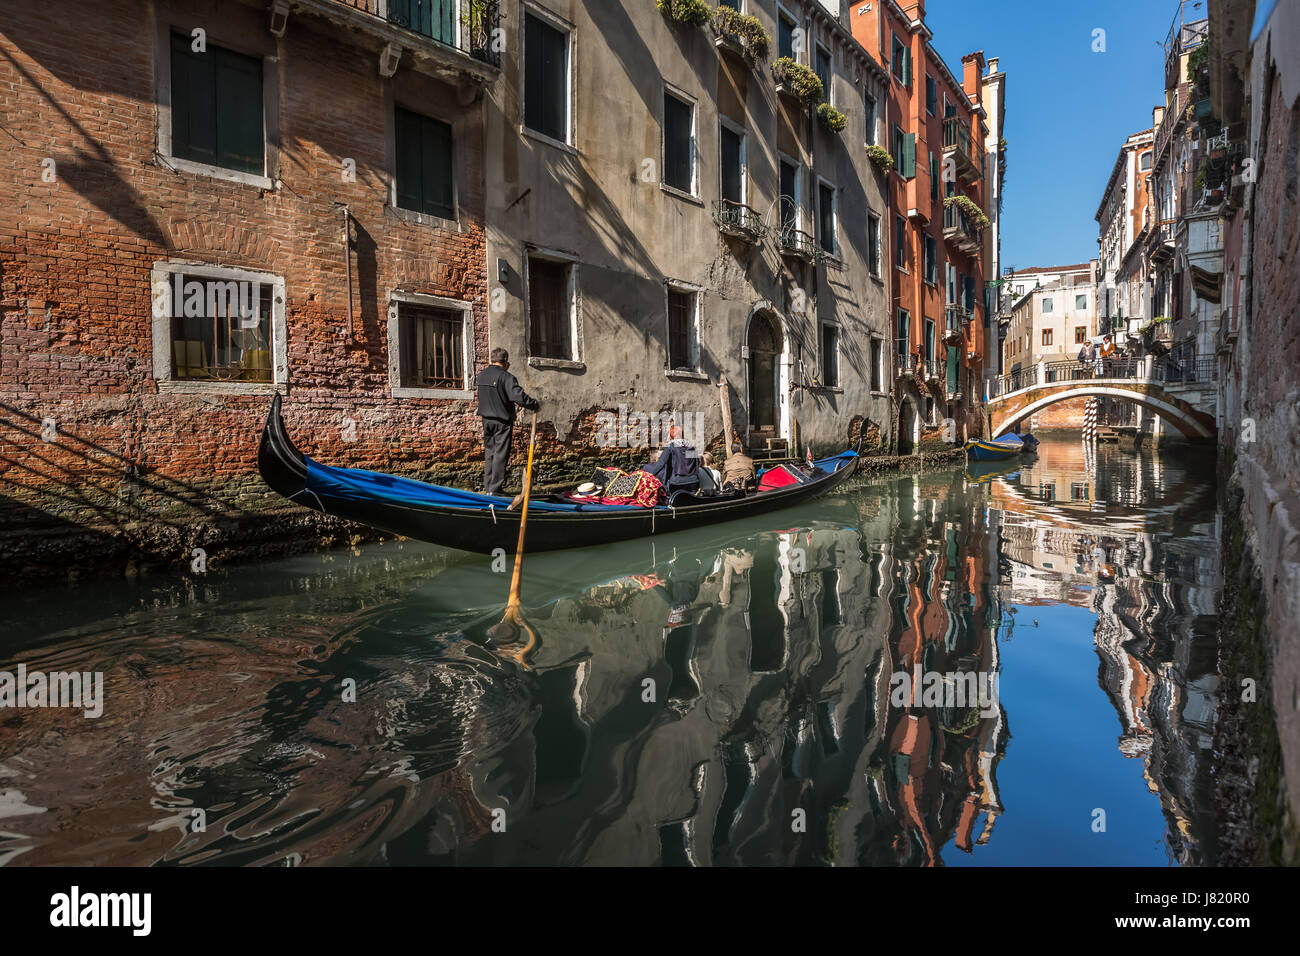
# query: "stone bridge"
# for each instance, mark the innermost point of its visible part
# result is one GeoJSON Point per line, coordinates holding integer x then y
{"type": "Point", "coordinates": [1181, 393]}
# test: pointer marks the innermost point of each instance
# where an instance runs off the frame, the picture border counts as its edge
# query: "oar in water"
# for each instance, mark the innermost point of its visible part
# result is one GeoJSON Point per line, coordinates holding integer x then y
{"type": "Point", "coordinates": [513, 623]}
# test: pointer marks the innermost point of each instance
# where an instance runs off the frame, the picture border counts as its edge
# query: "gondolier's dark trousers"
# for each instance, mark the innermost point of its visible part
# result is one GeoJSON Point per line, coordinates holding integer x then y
{"type": "Point", "coordinates": [496, 453]}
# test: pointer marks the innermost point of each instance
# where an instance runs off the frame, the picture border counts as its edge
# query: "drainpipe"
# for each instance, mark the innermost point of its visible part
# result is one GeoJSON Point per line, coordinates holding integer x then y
{"type": "Point", "coordinates": [347, 265]}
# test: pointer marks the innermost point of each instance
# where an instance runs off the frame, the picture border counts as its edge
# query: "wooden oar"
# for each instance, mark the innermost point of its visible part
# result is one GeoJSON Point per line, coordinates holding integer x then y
{"type": "Point", "coordinates": [512, 622]}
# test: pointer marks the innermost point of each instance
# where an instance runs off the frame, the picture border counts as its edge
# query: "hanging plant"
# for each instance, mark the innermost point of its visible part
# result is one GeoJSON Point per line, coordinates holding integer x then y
{"type": "Point", "coordinates": [970, 207]}
{"type": "Point", "coordinates": [799, 80]}
{"type": "Point", "coordinates": [691, 13]}
{"type": "Point", "coordinates": [831, 119]}
{"type": "Point", "coordinates": [746, 31]}
{"type": "Point", "coordinates": [880, 156]}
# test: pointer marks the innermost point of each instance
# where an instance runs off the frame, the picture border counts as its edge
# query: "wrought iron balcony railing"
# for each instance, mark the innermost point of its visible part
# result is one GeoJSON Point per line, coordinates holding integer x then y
{"type": "Point", "coordinates": [797, 243]}
{"type": "Point", "coordinates": [471, 27]}
{"type": "Point", "coordinates": [737, 219]}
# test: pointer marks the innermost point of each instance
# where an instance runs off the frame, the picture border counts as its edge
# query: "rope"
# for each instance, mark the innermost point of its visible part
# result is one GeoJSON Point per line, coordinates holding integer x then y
{"type": "Point", "coordinates": [492, 507]}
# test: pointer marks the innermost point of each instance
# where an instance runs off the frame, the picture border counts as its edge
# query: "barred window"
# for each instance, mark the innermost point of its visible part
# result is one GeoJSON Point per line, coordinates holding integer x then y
{"type": "Point", "coordinates": [550, 312]}
{"type": "Point", "coordinates": [432, 347]}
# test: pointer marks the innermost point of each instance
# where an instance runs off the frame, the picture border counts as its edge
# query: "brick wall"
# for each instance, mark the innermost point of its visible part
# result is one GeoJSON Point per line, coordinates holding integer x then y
{"type": "Point", "coordinates": [76, 254]}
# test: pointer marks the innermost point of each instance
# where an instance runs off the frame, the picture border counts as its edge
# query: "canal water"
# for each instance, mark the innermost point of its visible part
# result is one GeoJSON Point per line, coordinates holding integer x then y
{"type": "Point", "coordinates": [1010, 665]}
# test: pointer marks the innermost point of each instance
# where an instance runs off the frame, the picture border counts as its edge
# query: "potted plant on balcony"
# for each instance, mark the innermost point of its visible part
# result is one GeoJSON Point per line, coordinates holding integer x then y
{"type": "Point", "coordinates": [970, 207]}
{"type": "Point", "coordinates": [691, 13]}
{"type": "Point", "coordinates": [880, 156]}
{"type": "Point", "coordinates": [832, 120]}
{"type": "Point", "coordinates": [741, 34]}
{"type": "Point", "coordinates": [795, 79]}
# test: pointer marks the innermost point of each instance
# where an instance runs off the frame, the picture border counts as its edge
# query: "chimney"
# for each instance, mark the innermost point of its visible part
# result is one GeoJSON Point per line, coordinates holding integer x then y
{"type": "Point", "coordinates": [993, 66]}
{"type": "Point", "coordinates": [1157, 116]}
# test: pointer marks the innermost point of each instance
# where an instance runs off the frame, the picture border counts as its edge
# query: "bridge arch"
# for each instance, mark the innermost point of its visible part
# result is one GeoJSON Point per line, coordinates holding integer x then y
{"type": "Point", "coordinates": [1005, 411]}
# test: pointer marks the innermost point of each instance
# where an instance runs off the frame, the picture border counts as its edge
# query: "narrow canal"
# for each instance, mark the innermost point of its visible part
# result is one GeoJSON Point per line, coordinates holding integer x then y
{"type": "Point", "coordinates": [1007, 666]}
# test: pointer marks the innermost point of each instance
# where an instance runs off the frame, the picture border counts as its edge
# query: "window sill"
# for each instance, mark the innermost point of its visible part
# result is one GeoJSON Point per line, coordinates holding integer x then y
{"type": "Point", "coordinates": [410, 391]}
{"type": "Point", "coordinates": [828, 389]}
{"type": "Point", "coordinates": [180, 386]}
{"type": "Point", "coordinates": [538, 361]}
{"type": "Point", "coordinates": [877, 277]}
{"type": "Point", "coordinates": [216, 172]}
{"type": "Point", "coordinates": [681, 194]}
{"type": "Point", "coordinates": [831, 261]}
{"type": "Point", "coordinates": [424, 218]}
{"type": "Point", "coordinates": [549, 141]}
{"type": "Point", "coordinates": [686, 374]}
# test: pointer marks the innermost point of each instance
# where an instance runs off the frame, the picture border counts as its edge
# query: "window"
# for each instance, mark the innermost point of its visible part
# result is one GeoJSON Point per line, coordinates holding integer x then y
{"type": "Point", "coordinates": [550, 309]}
{"type": "Point", "coordinates": [931, 95]}
{"type": "Point", "coordinates": [1078, 491]}
{"type": "Point", "coordinates": [785, 27]}
{"type": "Point", "coordinates": [424, 165]}
{"type": "Point", "coordinates": [216, 108]}
{"type": "Point", "coordinates": [903, 342]}
{"type": "Point", "coordinates": [1020, 290]}
{"type": "Point", "coordinates": [223, 325]}
{"type": "Point", "coordinates": [929, 340]}
{"type": "Point", "coordinates": [789, 195]}
{"type": "Point", "coordinates": [869, 117]}
{"type": "Point", "coordinates": [1080, 334]}
{"type": "Point", "coordinates": [679, 144]}
{"type": "Point", "coordinates": [822, 66]}
{"type": "Point", "coordinates": [731, 163]}
{"type": "Point", "coordinates": [830, 356]}
{"type": "Point", "coordinates": [877, 366]}
{"type": "Point", "coordinates": [1146, 160]}
{"type": "Point", "coordinates": [873, 244]}
{"type": "Point", "coordinates": [546, 78]}
{"type": "Point", "coordinates": [682, 325]}
{"type": "Point", "coordinates": [826, 217]}
{"type": "Point", "coordinates": [432, 349]}
{"type": "Point", "coordinates": [1047, 337]}
{"type": "Point", "coordinates": [900, 250]}
{"type": "Point", "coordinates": [1081, 301]}
{"type": "Point", "coordinates": [1047, 304]}
{"type": "Point", "coordinates": [902, 62]}
{"type": "Point", "coordinates": [931, 262]}
{"type": "Point", "coordinates": [904, 152]}
{"type": "Point", "coordinates": [934, 178]}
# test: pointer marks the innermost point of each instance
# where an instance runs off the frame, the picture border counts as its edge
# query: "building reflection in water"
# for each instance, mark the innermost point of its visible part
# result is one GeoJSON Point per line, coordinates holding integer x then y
{"type": "Point", "coordinates": [719, 697]}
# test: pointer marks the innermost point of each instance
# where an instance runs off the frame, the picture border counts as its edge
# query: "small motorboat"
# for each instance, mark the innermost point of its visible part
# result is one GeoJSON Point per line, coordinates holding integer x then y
{"type": "Point", "coordinates": [998, 449]}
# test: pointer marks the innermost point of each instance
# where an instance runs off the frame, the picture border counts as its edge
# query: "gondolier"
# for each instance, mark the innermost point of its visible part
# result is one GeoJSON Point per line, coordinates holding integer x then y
{"type": "Point", "coordinates": [498, 394]}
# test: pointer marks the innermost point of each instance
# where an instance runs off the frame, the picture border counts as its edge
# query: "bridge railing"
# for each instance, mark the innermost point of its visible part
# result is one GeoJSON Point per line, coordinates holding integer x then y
{"type": "Point", "coordinates": [1200, 371]}
{"type": "Point", "coordinates": [1167, 370]}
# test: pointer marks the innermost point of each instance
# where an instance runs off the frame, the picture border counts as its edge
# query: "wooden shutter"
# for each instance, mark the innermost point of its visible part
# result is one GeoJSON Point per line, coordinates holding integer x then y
{"type": "Point", "coordinates": [546, 78]}
{"type": "Point", "coordinates": [909, 155]}
{"type": "Point", "coordinates": [238, 87]}
{"type": "Point", "coordinates": [194, 134]}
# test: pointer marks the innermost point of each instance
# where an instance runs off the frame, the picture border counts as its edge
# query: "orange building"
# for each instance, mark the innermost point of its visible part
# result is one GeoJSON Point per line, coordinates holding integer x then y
{"type": "Point", "coordinates": [936, 130]}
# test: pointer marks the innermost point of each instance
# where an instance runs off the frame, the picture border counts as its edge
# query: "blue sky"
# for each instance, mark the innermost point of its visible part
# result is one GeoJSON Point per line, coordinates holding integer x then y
{"type": "Point", "coordinates": [1068, 108]}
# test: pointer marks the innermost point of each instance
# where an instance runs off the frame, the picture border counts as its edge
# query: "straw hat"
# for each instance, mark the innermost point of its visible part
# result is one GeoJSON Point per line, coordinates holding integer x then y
{"type": "Point", "coordinates": [586, 488]}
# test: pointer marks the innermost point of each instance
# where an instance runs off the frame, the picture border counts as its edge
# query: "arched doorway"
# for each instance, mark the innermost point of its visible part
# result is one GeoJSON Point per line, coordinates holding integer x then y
{"type": "Point", "coordinates": [764, 378]}
{"type": "Point", "coordinates": [907, 422]}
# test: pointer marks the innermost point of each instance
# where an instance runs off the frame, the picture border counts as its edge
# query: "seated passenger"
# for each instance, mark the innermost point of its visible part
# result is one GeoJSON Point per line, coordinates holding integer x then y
{"type": "Point", "coordinates": [710, 477]}
{"type": "Point", "coordinates": [678, 465]}
{"type": "Point", "coordinates": [738, 472]}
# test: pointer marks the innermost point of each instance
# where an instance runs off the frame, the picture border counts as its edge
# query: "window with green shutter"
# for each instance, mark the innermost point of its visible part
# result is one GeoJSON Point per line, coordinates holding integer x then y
{"type": "Point", "coordinates": [217, 107]}
{"type": "Point", "coordinates": [546, 79]}
{"type": "Point", "coordinates": [934, 178]}
{"type": "Point", "coordinates": [424, 165]}
{"type": "Point", "coordinates": [907, 168]}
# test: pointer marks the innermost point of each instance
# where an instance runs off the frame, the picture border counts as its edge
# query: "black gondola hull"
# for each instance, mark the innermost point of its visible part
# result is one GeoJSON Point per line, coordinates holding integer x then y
{"type": "Point", "coordinates": [484, 531]}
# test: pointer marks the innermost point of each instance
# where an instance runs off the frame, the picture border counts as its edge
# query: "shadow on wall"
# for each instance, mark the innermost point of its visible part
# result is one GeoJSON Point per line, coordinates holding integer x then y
{"type": "Point", "coordinates": [90, 171]}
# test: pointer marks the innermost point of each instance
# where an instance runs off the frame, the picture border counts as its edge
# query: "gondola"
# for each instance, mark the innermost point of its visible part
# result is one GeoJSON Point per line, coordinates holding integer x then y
{"type": "Point", "coordinates": [483, 523]}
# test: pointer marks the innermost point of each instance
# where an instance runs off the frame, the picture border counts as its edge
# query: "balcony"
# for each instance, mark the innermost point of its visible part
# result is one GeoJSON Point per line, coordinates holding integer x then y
{"type": "Point", "coordinates": [797, 244]}
{"type": "Point", "coordinates": [460, 36]}
{"type": "Point", "coordinates": [957, 144]}
{"type": "Point", "coordinates": [738, 221]}
{"type": "Point", "coordinates": [956, 318]}
{"type": "Point", "coordinates": [961, 231]}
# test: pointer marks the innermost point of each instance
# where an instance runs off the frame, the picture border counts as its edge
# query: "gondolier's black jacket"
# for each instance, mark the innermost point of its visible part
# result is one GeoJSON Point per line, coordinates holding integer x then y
{"type": "Point", "coordinates": [498, 394]}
